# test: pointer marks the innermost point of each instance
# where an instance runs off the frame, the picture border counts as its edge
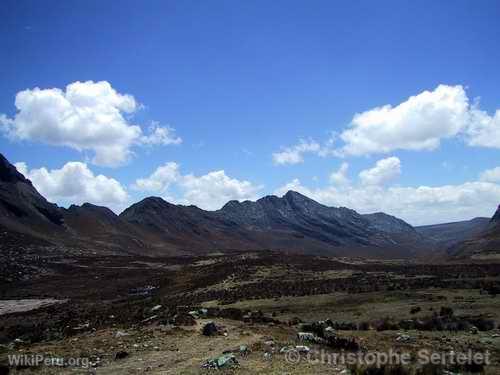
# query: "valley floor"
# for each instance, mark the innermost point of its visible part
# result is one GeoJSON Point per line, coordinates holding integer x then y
{"type": "Point", "coordinates": [92, 311]}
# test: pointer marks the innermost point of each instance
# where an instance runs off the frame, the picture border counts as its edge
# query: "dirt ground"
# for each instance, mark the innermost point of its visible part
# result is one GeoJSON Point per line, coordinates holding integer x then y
{"type": "Point", "coordinates": [138, 306]}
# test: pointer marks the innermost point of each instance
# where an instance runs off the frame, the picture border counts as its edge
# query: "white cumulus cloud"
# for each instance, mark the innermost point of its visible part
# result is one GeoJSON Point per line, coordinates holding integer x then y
{"type": "Point", "coordinates": [491, 175]}
{"type": "Point", "coordinates": [340, 177]}
{"type": "Point", "coordinates": [75, 183]}
{"type": "Point", "coordinates": [419, 123]}
{"type": "Point", "coordinates": [418, 205]}
{"type": "Point", "coordinates": [160, 180]}
{"type": "Point", "coordinates": [210, 191]}
{"type": "Point", "coordinates": [484, 130]}
{"type": "Point", "coordinates": [295, 154]}
{"type": "Point", "coordinates": [384, 171]}
{"type": "Point", "coordinates": [160, 135]}
{"type": "Point", "coordinates": [85, 116]}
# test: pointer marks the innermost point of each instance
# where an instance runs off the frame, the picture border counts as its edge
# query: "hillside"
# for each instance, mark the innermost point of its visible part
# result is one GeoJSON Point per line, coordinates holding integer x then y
{"type": "Point", "coordinates": [153, 226]}
{"type": "Point", "coordinates": [485, 245]}
{"type": "Point", "coordinates": [449, 234]}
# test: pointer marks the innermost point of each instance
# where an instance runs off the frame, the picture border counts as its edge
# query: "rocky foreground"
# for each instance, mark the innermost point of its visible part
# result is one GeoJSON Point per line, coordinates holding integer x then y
{"type": "Point", "coordinates": [247, 313]}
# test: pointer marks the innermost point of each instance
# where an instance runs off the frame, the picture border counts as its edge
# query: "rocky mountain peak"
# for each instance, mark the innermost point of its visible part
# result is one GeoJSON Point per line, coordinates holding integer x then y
{"type": "Point", "coordinates": [389, 224]}
{"type": "Point", "coordinates": [9, 173]}
{"type": "Point", "coordinates": [150, 209]}
{"type": "Point", "coordinates": [93, 209]}
{"type": "Point", "coordinates": [231, 205]}
{"type": "Point", "coordinates": [297, 198]}
{"type": "Point", "coordinates": [150, 203]}
{"type": "Point", "coordinates": [291, 194]}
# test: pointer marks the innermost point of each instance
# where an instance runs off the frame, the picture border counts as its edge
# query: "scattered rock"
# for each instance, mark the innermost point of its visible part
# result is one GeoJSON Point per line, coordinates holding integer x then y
{"type": "Point", "coordinates": [81, 327]}
{"type": "Point", "coordinates": [244, 351]}
{"type": "Point", "coordinates": [302, 349]}
{"type": "Point", "coordinates": [306, 336]}
{"type": "Point", "coordinates": [121, 334]}
{"type": "Point", "coordinates": [210, 329]}
{"type": "Point", "coordinates": [151, 318]}
{"type": "Point", "coordinates": [121, 355]}
{"type": "Point", "coordinates": [156, 308]}
{"type": "Point", "coordinates": [404, 338]}
{"type": "Point", "coordinates": [221, 362]}
{"type": "Point", "coordinates": [201, 313]}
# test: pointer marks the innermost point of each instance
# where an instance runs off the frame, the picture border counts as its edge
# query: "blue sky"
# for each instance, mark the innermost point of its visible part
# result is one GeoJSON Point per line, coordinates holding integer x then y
{"type": "Point", "coordinates": [240, 82]}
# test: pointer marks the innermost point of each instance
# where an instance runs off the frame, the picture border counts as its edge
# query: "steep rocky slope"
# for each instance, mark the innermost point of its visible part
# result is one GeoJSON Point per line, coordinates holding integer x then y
{"type": "Point", "coordinates": [449, 234]}
{"type": "Point", "coordinates": [485, 245]}
{"type": "Point", "coordinates": [22, 208]}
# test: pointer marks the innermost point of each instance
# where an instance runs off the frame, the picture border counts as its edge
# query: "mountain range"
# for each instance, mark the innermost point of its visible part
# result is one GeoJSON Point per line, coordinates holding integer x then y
{"type": "Point", "coordinates": [485, 245]}
{"type": "Point", "coordinates": [293, 222]}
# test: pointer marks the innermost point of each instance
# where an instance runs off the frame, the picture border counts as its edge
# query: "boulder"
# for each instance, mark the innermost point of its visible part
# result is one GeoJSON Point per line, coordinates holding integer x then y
{"type": "Point", "coordinates": [210, 329]}
{"type": "Point", "coordinates": [121, 355]}
{"type": "Point", "coordinates": [221, 362]}
{"type": "Point", "coordinates": [156, 308]}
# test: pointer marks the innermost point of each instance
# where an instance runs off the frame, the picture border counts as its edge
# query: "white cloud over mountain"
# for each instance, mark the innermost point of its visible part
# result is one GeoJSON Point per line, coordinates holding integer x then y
{"type": "Point", "coordinates": [419, 123]}
{"type": "Point", "coordinates": [370, 192]}
{"type": "Point", "coordinates": [295, 154]}
{"type": "Point", "coordinates": [75, 183]}
{"type": "Point", "coordinates": [210, 191]}
{"type": "Point", "coordinates": [484, 130]}
{"type": "Point", "coordinates": [85, 116]}
{"type": "Point", "coordinates": [93, 116]}
{"type": "Point", "coordinates": [491, 175]}
{"type": "Point", "coordinates": [340, 177]}
{"type": "Point", "coordinates": [417, 205]}
{"type": "Point", "coordinates": [384, 171]}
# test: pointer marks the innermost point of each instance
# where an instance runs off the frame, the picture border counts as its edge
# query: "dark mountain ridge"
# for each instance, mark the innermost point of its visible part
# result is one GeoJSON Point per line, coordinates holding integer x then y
{"type": "Point", "coordinates": [447, 235]}
{"type": "Point", "coordinates": [153, 226]}
{"type": "Point", "coordinates": [292, 222]}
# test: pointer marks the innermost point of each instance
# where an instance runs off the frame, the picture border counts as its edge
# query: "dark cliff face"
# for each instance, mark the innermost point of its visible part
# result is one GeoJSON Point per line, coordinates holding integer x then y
{"type": "Point", "coordinates": [20, 201]}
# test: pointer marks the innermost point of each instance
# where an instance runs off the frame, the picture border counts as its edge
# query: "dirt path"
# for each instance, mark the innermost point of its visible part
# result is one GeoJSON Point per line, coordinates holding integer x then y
{"type": "Point", "coordinates": [23, 305]}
